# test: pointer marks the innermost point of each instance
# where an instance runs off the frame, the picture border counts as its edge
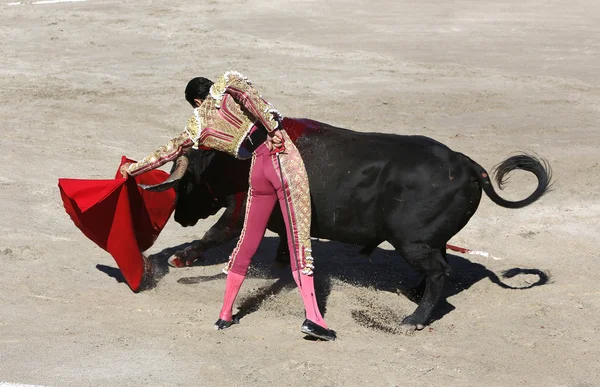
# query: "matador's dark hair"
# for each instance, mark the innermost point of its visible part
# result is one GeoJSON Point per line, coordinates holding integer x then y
{"type": "Point", "coordinates": [197, 88]}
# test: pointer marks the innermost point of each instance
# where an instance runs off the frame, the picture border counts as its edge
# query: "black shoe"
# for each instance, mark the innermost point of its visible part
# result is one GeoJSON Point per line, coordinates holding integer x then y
{"type": "Point", "coordinates": [314, 330]}
{"type": "Point", "coordinates": [222, 324]}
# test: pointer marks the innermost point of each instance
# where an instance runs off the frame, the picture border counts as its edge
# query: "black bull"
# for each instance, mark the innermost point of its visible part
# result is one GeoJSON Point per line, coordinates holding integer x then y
{"type": "Point", "coordinates": [366, 188]}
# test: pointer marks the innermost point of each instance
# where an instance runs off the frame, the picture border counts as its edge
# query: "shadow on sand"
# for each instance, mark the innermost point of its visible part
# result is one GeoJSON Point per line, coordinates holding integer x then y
{"type": "Point", "coordinates": [383, 270]}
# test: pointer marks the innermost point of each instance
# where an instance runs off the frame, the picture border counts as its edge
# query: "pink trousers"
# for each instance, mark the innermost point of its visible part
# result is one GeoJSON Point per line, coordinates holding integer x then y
{"type": "Point", "coordinates": [266, 189]}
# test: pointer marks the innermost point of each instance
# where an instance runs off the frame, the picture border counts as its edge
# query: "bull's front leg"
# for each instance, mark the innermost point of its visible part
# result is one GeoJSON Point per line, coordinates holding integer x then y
{"type": "Point", "coordinates": [228, 227]}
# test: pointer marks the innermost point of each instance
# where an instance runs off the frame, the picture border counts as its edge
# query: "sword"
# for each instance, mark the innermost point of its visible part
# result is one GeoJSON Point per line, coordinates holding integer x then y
{"type": "Point", "coordinates": [289, 216]}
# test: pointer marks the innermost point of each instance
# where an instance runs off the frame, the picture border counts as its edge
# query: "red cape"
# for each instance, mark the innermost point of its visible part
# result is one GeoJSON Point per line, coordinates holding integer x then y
{"type": "Point", "coordinates": [119, 216]}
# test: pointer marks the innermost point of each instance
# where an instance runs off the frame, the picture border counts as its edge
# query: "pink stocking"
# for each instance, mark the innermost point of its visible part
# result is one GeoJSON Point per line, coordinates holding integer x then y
{"type": "Point", "coordinates": [234, 283]}
{"type": "Point", "coordinates": [307, 291]}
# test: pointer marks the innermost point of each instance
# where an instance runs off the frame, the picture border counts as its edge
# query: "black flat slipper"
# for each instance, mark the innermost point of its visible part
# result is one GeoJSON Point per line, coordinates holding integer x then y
{"type": "Point", "coordinates": [223, 324]}
{"type": "Point", "coordinates": [314, 330]}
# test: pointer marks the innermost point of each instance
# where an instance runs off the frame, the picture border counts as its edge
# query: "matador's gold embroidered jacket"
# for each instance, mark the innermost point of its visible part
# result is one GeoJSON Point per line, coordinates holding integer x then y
{"type": "Point", "coordinates": [222, 122]}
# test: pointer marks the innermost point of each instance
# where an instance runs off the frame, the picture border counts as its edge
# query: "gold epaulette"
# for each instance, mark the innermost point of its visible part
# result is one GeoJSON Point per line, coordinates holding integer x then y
{"type": "Point", "coordinates": [217, 90]}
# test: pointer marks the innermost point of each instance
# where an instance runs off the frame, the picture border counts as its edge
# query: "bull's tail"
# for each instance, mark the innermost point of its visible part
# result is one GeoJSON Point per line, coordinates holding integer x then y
{"type": "Point", "coordinates": [536, 165]}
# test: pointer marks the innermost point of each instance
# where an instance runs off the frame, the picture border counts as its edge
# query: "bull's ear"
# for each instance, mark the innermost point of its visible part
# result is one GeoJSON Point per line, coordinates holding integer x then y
{"type": "Point", "coordinates": [159, 187]}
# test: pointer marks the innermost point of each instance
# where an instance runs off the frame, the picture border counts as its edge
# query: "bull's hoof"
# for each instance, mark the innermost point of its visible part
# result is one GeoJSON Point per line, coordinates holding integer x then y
{"type": "Point", "coordinates": [409, 326]}
{"type": "Point", "coordinates": [175, 261]}
{"type": "Point", "coordinates": [407, 329]}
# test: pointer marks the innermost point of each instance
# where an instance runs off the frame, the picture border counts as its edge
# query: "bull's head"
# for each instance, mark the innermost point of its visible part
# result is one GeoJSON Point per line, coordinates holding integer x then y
{"type": "Point", "coordinates": [194, 198]}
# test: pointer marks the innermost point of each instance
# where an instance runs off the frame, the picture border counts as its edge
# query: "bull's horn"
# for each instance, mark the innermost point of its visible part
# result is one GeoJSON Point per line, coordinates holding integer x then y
{"type": "Point", "coordinates": [180, 166]}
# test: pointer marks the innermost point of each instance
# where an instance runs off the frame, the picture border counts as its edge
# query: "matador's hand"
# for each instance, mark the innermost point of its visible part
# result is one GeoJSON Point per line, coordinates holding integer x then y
{"type": "Point", "coordinates": [125, 169]}
{"type": "Point", "coordinates": [275, 140]}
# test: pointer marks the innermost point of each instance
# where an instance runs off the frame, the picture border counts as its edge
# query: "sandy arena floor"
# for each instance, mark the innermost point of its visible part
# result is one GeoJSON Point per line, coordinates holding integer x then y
{"type": "Point", "coordinates": [82, 83]}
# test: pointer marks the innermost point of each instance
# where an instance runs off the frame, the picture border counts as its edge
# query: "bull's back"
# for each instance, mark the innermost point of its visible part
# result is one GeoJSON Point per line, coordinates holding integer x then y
{"type": "Point", "coordinates": [358, 180]}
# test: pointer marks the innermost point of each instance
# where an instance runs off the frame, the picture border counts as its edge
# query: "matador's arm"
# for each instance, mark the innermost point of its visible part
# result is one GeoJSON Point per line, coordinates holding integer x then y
{"type": "Point", "coordinates": [240, 88]}
{"type": "Point", "coordinates": [169, 152]}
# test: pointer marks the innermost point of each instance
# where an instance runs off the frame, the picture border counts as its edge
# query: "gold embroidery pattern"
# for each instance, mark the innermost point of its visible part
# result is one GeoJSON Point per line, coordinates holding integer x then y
{"type": "Point", "coordinates": [259, 107]}
{"type": "Point", "coordinates": [298, 193]}
{"type": "Point", "coordinates": [236, 251]}
{"type": "Point", "coordinates": [162, 155]}
{"type": "Point", "coordinates": [217, 90]}
{"type": "Point", "coordinates": [193, 128]}
{"type": "Point", "coordinates": [211, 120]}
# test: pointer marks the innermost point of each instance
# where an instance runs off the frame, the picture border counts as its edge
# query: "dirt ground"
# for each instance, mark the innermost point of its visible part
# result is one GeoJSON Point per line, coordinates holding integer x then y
{"type": "Point", "coordinates": [83, 83]}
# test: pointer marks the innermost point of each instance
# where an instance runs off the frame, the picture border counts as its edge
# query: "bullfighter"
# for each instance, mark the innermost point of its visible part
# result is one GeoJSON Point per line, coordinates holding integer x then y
{"type": "Point", "coordinates": [230, 116]}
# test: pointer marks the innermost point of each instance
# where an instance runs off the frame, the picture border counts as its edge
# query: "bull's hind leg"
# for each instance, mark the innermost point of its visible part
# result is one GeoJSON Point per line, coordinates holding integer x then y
{"type": "Point", "coordinates": [282, 257]}
{"type": "Point", "coordinates": [277, 224]}
{"type": "Point", "coordinates": [432, 264]}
